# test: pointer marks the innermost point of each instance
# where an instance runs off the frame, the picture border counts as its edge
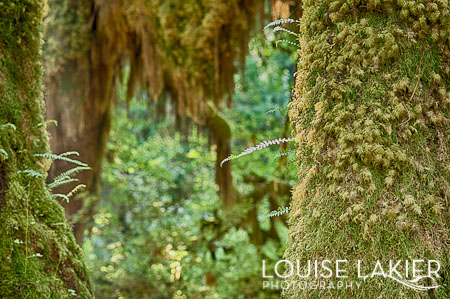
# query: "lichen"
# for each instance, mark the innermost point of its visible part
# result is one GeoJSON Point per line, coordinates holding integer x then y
{"type": "Point", "coordinates": [40, 258]}
{"type": "Point", "coordinates": [371, 115]}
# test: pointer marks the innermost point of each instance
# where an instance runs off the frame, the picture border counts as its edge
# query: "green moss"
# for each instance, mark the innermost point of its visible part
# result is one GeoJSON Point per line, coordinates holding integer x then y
{"type": "Point", "coordinates": [40, 258]}
{"type": "Point", "coordinates": [373, 151]}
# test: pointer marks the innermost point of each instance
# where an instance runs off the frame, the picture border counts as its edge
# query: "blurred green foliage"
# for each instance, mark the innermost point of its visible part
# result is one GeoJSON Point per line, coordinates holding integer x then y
{"type": "Point", "coordinates": [159, 230]}
{"type": "Point", "coordinates": [259, 108]}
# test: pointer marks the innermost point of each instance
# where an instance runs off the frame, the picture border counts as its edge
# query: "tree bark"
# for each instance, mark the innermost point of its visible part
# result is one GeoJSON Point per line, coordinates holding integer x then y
{"type": "Point", "coordinates": [38, 253]}
{"type": "Point", "coordinates": [371, 116]}
{"type": "Point", "coordinates": [80, 97]}
{"type": "Point", "coordinates": [221, 132]}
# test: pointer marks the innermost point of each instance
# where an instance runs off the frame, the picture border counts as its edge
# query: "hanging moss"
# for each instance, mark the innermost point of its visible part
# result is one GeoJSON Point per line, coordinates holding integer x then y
{"type": "Point", "coordinates": [184, 49]}
{"type": "Point", "coordinates": [372, 120]}
{"type": "Point", "coordinates": [39, 257]}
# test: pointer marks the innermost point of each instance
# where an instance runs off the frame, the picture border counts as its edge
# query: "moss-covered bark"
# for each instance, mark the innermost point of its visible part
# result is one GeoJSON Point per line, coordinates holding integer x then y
{"type": "Point", "coordinates": [38, 254]}
{"type": "Point", "coordinates": [372, 121]}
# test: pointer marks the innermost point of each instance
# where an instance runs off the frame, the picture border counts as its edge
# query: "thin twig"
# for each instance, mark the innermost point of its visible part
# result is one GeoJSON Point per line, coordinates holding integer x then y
{"type": "Point", "coordinates": [409, 115]}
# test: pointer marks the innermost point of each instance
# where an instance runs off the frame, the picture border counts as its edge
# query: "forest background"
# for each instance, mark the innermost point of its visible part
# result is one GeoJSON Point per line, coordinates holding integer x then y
{"type": "Point", "coordinates": [159, 217]}
{"type": "Point", "coordinates": [145, 98]}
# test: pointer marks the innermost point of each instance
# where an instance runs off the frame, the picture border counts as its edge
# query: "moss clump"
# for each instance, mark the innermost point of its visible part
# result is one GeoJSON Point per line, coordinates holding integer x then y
{"type": "Point", "coordinates": [39, 257]}
{"type": "Point", "coordinates": [372, 119]}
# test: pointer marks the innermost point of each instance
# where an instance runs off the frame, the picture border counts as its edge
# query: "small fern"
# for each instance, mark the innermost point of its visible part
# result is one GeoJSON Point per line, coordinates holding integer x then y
{"type": "Point", "coordinates": [32, 173]}
{"type": "Point", "coordinates": [72, 171]}
{"type": "Point", "coordinates": [62, 181]}
{"type": "Point", "coordinates": [279, 212]}
{"type": "Point", "coordinates": [287, 42]}
{"type": "Point", "coordinates": [67, 196]}
{"type": "Point", "coordinates": [76, 189]}
{"type": "Point", "coordinates": [66, 177]}
{"type": "Point", "coordinates": [279, 28]}
{"type": "Point", "coordinates": [284, 153]}
{"type": "Point", "coordinates": [280, 109]}
{"type": "Point", "coordinates": [260, 146]}
{"type": "Point", "coordinates": [62, 157]}
{"type": "Point", "coordinates": [69, 154]}
{"type": "Point", "coordinates": [280, 22]}
{"type": "Point", "coordinates": [59, 195]}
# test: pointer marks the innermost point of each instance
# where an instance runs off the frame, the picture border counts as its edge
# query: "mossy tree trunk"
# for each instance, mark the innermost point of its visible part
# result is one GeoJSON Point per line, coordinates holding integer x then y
{"type": "Point", "coordinates": [371, 114]}
{"type": "Point", "coordinates": [38, 253]}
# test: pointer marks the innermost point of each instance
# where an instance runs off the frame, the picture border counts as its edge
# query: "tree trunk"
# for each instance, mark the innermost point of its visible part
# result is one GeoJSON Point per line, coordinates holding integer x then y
{"type": "Point", "coordinates": [80, 95]}
{"type": "Point", "coordinates": [371, 116]}
{"type": "Point", "coordinates": [38, 253]}
{"type": "Point", "coordinates": [221, 132]}
{"type": "Point", "coordinates": [88, 41]}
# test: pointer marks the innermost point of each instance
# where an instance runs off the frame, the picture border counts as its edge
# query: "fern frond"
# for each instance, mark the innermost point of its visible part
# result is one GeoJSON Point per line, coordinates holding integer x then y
{"type": "Point", "coordinates": [283, 153]}
{"type": "Point", "coordinates": [69, 154]}
{"type": "Point", "coordinates": [76, 189]}
{"type": "Point", "coordinates": [280, 22]}
{"type": "Point", "coordinates": [279, 28]}
{"type": "Point", "coordinates": [64, 180]}
{"type": "Point", "coordinates": [32, 173]}
{"type": "Point", "coordinates": [288, 42]}
{"type": "Point", "coordinates": [260, 146]}
{"type": "Point", "coordinates": [67, 196]}
{"type": "Point", "coordinates": [47, 122]}
{"type": "Point", "coordinates": [279, 212]}
{"type": "Point", "coordinates": [275, 110]}
{"type": "Point", "coordinates": [60, 157]}
{"type": "Point", "coordinates": [63, 196]}
{"type": "Point", "coordinates": [70, 172]}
